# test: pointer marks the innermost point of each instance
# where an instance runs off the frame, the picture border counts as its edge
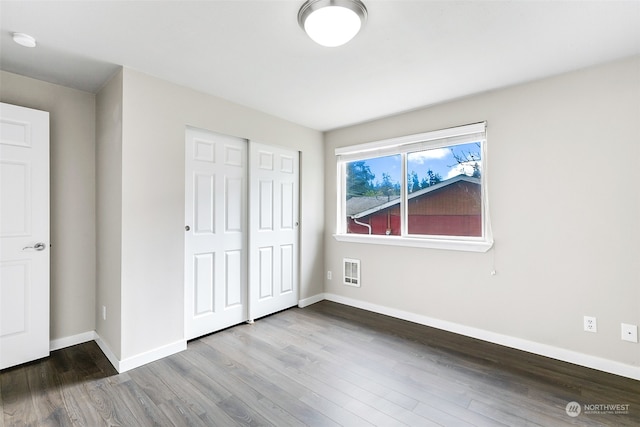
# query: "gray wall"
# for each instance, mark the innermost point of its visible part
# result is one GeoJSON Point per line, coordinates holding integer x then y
{"type": "Point", "coordinates": [154, 117]}
{"type": "Point", "coordinates": [563, 194]}
{"type": "Point", "coordinates": [73, 215]}
{"type": "Point", "coordinates": [565, 207]}
{"type": "Point", "coordinates": [131, 136]}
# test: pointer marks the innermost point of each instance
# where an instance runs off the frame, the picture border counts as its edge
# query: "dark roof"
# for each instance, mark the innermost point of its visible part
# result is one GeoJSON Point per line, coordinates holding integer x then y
{"type": "Point", "coordinates": [358, 207]}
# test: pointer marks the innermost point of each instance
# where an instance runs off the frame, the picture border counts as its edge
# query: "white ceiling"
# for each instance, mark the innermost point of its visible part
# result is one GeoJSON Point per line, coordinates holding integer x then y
{"type": "Point", "coordinates": [410, 53]}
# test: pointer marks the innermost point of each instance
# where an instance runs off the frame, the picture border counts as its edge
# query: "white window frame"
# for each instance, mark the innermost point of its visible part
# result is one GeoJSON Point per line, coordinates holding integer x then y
{"type": "Point", "coordinates": [475, 132]}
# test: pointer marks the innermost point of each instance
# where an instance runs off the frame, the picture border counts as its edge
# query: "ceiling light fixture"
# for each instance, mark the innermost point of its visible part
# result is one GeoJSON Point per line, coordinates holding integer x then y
{"type": "Point", "coordinates": [332, 23]}
{"type": "Point", "coordinates": [24, 40]}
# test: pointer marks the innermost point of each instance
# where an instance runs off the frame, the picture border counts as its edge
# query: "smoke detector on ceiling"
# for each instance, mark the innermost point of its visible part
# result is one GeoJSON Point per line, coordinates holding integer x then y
{"type": "Point", "coordinates": [24, 39]}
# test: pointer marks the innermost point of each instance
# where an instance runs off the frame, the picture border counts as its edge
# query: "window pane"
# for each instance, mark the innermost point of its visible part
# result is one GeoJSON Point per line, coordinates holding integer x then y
{"type": "Point", "coordinates": [445, 191]}
{"type": "Point", "coordinates": [373, 196]}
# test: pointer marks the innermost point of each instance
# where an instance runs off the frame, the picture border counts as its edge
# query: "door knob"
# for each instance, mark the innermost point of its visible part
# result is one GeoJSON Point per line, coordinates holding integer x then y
{"type": "Point", "coordinates": [38, 247]}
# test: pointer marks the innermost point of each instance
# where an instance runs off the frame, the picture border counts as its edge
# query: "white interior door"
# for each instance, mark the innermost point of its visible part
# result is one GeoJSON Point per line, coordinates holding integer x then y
{"type": "Point", "coordinates": [24, 235]}
{"type": "Point", "coordinates": [273, 229]}
{"type": "Point", "coordinates": [215, 240]}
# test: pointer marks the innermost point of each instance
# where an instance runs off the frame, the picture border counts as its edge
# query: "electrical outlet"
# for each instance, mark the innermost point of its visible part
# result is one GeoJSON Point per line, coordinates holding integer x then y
{"type": "Point", "coordinates": [629, 332]}
{"type": "Point", "coordinates": [590, 324]}
{"type": "Point", "coordinates": [329, 275]}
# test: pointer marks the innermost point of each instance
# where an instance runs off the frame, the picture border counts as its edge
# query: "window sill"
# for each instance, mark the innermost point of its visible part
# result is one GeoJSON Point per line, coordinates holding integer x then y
{"type": "Point", "coordinates": [452, 245]}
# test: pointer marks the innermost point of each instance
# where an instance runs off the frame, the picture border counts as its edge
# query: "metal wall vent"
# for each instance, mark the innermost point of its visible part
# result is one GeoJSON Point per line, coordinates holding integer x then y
{"type": "Point", "coordinates": [351, 272]}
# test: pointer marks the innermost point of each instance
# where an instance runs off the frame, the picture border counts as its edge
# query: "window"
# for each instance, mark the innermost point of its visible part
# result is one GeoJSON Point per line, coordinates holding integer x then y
{"type": "Point", "coordinates": [425, 190]}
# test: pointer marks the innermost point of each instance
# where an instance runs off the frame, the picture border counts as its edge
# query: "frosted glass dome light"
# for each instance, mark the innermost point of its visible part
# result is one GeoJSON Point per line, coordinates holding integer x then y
{"type": "Point", "coordinates": [332, 23]}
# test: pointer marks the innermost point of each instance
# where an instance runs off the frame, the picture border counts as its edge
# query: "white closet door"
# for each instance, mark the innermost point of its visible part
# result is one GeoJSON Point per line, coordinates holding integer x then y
{"type": "Point", "coordinates": [273, 229]}
{"type": "Point", "coordinates": [215, 238]}
{"type": "Point", "coordinates": [24, 235]}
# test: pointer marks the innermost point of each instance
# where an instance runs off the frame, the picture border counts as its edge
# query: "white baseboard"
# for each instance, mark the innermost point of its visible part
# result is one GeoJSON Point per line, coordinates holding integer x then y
{"type": "Point", "coordinates": [142, 358]}
{"type": "Point", "coordinates": [65, 342]}
{"type": "Point", "coordinates": [311, 300]}
{"type": "Point", "coordinates": [152, 355]}
{"type": "Point", "coordinates": [562, 354]}
{"type": "Point", "coordinates": [108, 353]}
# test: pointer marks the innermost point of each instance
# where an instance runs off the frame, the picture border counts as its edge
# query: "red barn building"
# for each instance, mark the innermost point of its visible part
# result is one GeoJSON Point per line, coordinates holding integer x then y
{"type": "Point", "coordinates": [449, 208]}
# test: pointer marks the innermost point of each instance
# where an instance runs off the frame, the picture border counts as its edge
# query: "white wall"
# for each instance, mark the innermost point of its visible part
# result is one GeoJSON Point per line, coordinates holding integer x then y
{"type": "Point", "coordinates": [109, 215]}
{"type": "Point", "coordinates": [154, 117]}
{"type": "Point", "coordinates": [565, 206]}
{"type": "Point", "coordinates": [72, 197]}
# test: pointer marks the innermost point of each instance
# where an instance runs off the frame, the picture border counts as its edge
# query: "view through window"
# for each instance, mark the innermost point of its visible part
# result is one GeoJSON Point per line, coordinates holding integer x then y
{"type": "Point", "coordinates": [443, 186]}
{"type": "Point", "coordinates": [419, 188]}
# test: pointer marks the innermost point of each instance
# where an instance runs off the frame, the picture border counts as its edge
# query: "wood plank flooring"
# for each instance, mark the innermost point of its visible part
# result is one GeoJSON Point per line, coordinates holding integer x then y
{"type": "Point", "coordinates": [325, 365]}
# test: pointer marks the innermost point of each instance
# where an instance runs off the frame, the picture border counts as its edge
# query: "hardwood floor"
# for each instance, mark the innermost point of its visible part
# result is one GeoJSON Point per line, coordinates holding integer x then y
{"type": "Point", "coordinates": [325, 365]}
